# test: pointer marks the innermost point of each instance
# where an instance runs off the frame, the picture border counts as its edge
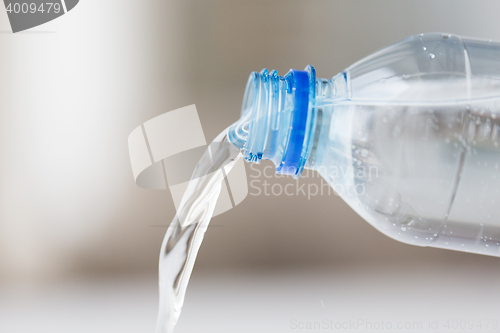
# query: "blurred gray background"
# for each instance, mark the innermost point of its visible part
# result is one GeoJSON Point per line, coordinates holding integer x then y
{"type": "Point", "coordinates": [73, 89]}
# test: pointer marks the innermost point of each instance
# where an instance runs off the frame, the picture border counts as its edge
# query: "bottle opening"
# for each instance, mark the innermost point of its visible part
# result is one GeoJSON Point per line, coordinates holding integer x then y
{"type": "Point", "coordinates": [277, 117]}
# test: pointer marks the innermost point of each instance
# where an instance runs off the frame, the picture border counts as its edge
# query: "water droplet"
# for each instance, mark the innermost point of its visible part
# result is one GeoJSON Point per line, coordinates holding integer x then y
{"type": "Point", "coordinates": [424, 48]}
{"type": "Point", "coordinates": [364, 152]}
{"type": "Point", "coordinates": [396, 130]}
{"type": "Point", "coordinates": [431, 55]}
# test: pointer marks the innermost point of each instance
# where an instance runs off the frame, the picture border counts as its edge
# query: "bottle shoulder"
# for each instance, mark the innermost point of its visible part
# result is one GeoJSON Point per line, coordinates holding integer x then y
{"type": "Point", "coordinates": [423, 68]}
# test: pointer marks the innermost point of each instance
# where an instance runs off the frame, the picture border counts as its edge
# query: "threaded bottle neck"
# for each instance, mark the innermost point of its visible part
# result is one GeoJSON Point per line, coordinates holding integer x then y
{"type": "Point", "coordinates": [277, 119]}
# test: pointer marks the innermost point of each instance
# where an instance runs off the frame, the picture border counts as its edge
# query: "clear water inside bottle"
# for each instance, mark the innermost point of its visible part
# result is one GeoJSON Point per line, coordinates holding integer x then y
{"type": "Point", "coordinates": [423, 173]}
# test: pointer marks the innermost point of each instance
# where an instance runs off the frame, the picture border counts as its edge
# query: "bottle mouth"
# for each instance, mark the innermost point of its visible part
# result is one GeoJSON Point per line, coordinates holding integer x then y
{"type": "Point", "coordinates": [277, 118]}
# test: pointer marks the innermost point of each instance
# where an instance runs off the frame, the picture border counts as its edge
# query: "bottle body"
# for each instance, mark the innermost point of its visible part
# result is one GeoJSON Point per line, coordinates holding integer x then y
{"type": "Point", "coordinates": [409, 137]}
{"type": "Point", "coordinates": [424, 176]}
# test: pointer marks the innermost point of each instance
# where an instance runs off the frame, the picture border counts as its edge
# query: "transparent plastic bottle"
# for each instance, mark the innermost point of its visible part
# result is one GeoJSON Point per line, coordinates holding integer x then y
{"type": "Point", "coordinates": [409, 137]}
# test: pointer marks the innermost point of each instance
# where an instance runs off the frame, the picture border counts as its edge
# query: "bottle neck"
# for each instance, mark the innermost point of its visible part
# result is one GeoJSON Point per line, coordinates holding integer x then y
{"type": "Point", "coordinates": [279, 118]}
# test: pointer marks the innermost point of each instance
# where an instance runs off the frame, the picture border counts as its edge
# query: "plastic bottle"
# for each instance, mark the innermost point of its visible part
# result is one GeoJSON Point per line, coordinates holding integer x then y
{"type": "Point", "coordinates": [408, 137]}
